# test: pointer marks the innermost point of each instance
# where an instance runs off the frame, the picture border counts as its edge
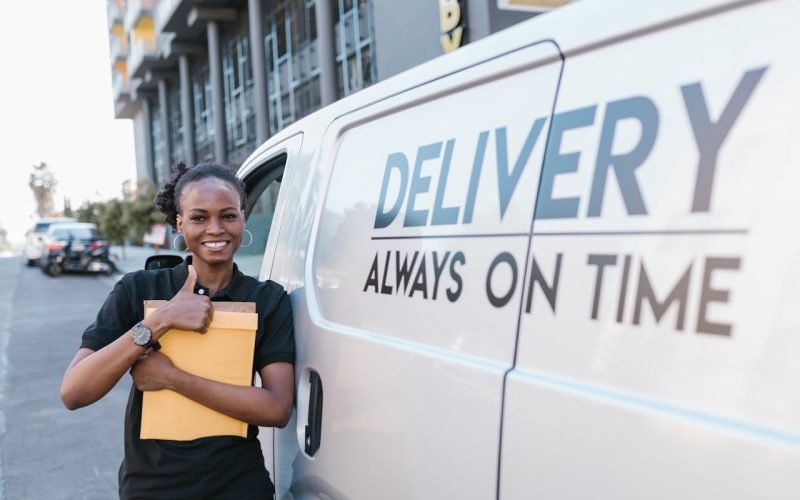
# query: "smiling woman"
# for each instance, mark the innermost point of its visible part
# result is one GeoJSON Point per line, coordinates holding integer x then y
{"type": "Point", "coordinates": [206, 205]}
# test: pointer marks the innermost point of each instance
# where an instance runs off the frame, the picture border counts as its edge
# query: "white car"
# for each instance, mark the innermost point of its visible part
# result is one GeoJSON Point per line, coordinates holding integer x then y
{"type": "Point", "coordinates": [33, 238]}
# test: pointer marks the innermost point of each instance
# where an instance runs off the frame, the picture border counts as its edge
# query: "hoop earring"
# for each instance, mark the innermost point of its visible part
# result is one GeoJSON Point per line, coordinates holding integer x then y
{"type": "Point", "coordinates": [251, 239]}
{"type": "Point", "coordinates": [175, 243]}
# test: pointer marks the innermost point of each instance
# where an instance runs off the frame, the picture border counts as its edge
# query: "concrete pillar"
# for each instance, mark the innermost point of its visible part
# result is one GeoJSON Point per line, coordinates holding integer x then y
{"type": "Point", "coordinates": [148, 138]}
{"type": "Point", "coordinates": [259, 68]}
{"type": "Point", "coordinates": [163, 104]}
{"type": "Point", "coordinates": [187, 110]}
{"type": "Point", "coordinates": [326, 41]}
{"type": "Point", "coordinates": [217, 100]}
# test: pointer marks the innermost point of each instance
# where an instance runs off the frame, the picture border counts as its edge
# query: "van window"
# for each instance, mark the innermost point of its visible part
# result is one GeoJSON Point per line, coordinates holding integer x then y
{"type": "Point", "coordinates": [261, 200]}
{"type": "Point", "coordinates": [78, 233]}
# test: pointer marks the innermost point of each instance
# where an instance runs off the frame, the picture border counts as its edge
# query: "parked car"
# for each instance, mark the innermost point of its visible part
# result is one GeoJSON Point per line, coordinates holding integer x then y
{"type": "Point", "coordinates": [75, 247]}
{"type": "Point", "coordinates": [33, 238]}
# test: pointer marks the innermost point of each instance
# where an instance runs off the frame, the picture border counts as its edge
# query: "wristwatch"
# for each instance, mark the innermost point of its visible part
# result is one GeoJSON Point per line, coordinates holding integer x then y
{"type": "Point", "coordinates": [143, 336]}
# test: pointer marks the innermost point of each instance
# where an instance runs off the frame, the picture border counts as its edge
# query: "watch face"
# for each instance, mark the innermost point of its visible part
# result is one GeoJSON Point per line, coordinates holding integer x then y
{"type": "Point", "coordinates": [141, 334]}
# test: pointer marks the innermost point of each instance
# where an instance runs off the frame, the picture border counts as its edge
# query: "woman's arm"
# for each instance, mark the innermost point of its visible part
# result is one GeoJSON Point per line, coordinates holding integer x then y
{"type": "Point", "coordinates": [93, 373]}
{"type": "Point", "coordinates": [269, 405]}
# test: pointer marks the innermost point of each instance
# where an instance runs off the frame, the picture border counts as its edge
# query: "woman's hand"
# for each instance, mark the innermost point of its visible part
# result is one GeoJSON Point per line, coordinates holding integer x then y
{"type": "Point", "coordinates": [187, 310]}
{"type": "Point", "coordinates": [153, 372]}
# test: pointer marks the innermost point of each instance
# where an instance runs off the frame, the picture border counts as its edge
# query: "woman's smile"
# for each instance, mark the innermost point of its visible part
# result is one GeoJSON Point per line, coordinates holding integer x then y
{"type": "Point", "coordinates": [216, 245]}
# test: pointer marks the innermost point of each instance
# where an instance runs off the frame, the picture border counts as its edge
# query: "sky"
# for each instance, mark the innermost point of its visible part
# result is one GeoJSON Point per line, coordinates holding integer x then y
{"type": "Point", "coordinates": [56, 106]}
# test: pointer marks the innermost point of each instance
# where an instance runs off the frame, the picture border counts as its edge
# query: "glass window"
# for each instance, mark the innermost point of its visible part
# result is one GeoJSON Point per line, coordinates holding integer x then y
{"type": "Point", "coordinates": [175, 123]}
{"type": "Point", "coordinates": [355, 42]}
{"type": "Point", "coordinates": [290, 49]}
{"type": "Point", "coordinates": [203, 119]}
{"type": "Point", "coordinates": [262, 198]}
{"type": "Point", "coordinates": [160, 160]}
{"type": "Point", "coordinates": [238, 90]}
{"type": "Point", "coordinates": [77, 233]}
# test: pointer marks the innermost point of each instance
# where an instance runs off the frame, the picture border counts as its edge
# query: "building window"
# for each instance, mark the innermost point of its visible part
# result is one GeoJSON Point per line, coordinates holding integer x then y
{"type": "Point", "coordinates": [355, 46]}
{"type": "Point", "coordinates": [203, 118]}
{"type": "Point", "coordinates": [160, 160]}
{"type": "Point", "coordinates": [290, 48]}
{"type": "Point", "coordinates": [238, 90]}
{"type": "Point", "coordinates": [175, 123]}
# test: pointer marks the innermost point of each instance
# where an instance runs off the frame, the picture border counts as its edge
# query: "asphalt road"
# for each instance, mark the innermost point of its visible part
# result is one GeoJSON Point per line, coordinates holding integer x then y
{"type": "Point", "coordinates": [47, 451]}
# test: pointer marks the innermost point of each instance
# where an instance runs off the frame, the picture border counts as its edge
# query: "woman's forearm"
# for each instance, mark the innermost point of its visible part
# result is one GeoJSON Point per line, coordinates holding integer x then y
{"type": "Point", "coordinates": [93, 373]}
{"type": "Point", "coordinates": [255, 405]}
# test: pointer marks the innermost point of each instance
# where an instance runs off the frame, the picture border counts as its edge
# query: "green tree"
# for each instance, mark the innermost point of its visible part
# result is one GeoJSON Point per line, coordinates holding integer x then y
{"type": "Point", "coordinates": [43, 184]}
{"type": "Point", "coordinates": [90, 211]}
{"type": "Point", "coordinates": [111, 223]}
{"type": "Point", "coordinates": [140, 214]}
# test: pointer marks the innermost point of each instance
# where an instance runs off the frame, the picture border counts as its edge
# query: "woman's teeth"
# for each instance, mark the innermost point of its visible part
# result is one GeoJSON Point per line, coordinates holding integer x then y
{"type": "Point", "coordinates": [215, 244]}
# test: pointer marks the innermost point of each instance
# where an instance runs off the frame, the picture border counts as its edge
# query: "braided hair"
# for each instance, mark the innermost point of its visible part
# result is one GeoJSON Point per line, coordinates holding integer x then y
{"type": "Point", "coordinates": [169, 196]}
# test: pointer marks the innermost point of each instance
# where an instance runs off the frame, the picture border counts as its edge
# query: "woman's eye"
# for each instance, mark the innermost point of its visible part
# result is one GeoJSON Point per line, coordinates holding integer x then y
{"type": "Point", "coordinates": [231, 216]}
{"type": "Point", "coordinates": [198, 218]}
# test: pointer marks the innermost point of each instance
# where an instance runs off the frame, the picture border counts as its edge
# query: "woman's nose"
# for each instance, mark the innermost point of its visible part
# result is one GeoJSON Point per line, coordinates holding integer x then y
{"type": "Point", "coordinates": [214, 226]}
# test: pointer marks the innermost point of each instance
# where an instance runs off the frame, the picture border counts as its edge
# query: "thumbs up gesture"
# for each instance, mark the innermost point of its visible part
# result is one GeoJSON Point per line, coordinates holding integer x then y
{"type": "Point", "coordinates": [191, 281]}
{"type": "Point", "coordinates": [187, 310]}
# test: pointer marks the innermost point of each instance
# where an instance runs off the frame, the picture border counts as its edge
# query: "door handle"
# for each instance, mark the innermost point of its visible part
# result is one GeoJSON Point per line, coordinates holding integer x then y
{"type": "Point", "coordinates": [313, 428]}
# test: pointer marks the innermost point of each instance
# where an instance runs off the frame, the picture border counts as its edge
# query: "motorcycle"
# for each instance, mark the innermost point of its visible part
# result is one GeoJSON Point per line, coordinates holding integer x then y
{"type": "Point", "coordinates": [75, 255]}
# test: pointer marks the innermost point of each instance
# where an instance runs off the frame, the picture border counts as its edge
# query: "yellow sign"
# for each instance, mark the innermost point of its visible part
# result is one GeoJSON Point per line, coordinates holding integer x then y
{"type": "Point", "coordinates": [452, 30]}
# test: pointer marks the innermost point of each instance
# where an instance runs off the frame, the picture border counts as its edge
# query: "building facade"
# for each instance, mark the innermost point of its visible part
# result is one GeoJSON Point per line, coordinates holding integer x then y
{"type": "Point", "coordinates": [210, 80]}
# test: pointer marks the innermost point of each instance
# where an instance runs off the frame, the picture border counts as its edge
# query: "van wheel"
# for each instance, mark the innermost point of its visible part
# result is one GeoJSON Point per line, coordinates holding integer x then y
{"type": "Point", "coordinates": [30, 263]}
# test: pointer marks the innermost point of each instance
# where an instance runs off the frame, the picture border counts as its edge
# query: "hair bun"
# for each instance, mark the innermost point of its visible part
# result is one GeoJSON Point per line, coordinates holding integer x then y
{"type": "Point", "coordinates": [168, 197]}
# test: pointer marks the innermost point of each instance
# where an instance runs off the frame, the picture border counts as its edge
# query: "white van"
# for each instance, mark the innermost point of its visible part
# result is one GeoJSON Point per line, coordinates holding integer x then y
{"type": "Point", "coordinates": [561, 262]}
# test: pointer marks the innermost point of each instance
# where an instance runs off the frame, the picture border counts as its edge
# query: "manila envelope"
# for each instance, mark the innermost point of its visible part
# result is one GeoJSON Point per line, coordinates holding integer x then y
{"type": "Point", "coordinates": [224, 353]}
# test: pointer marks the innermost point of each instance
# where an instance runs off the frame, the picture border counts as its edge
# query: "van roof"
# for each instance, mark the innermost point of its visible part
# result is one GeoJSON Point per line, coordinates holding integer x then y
{"type": "Point", "coordinates": [69, 225]}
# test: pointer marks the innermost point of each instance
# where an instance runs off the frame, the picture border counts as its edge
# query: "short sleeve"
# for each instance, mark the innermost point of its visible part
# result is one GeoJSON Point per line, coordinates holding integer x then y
{"type": "Point", "coordinates": [277, 342]}
{"type": "Point", "coordinates": [114, 318]}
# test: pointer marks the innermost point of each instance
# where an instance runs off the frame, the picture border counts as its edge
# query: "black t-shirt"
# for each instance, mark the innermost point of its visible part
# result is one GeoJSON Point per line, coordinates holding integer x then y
{"type": "Point", "coordinates": [213, 467]}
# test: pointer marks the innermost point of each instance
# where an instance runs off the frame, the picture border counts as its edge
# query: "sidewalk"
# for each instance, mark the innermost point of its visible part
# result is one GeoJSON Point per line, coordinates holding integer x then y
{"type": "Point", "coordinates": [135, 257]}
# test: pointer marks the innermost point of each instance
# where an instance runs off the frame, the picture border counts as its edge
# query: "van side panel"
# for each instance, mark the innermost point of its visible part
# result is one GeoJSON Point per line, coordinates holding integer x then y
{"type": "Point", "coordinates": [659, 333]}
{"type": "Point", "coordinates": [427, 192]}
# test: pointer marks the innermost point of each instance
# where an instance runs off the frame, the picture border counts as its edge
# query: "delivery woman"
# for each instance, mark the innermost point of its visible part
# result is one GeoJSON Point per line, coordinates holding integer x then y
{"type": "Point", "coordinates": [206, 205]}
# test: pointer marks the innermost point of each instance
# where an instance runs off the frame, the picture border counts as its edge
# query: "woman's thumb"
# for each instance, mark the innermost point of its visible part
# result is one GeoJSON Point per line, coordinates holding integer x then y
{"type": "Point", "coordinates": [191, 280]}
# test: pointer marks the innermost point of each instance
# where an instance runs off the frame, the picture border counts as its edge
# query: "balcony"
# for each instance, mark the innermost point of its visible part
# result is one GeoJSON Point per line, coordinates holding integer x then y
{"type": "Point", "coordinates": [163, 13]}
{"type": "Point", "coordinates": [143, 53]}
{"type": "Point", "coordinates": [172, 15]}
{"type": "Point", "coordinates": [124, 105]}
{"type": "Point", "coordinates": [136, 11]}
{"type": "Point", "coordinates": [114, 13]}
{"type": "Point", "coordinates": [120, 85]}
{"type": "Point", "coordinates": [118, 49]}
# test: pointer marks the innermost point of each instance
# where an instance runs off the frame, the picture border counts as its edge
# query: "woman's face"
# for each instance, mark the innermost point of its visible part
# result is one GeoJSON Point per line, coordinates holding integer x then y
{"type": "Point", "coordinates": [211, 220]}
